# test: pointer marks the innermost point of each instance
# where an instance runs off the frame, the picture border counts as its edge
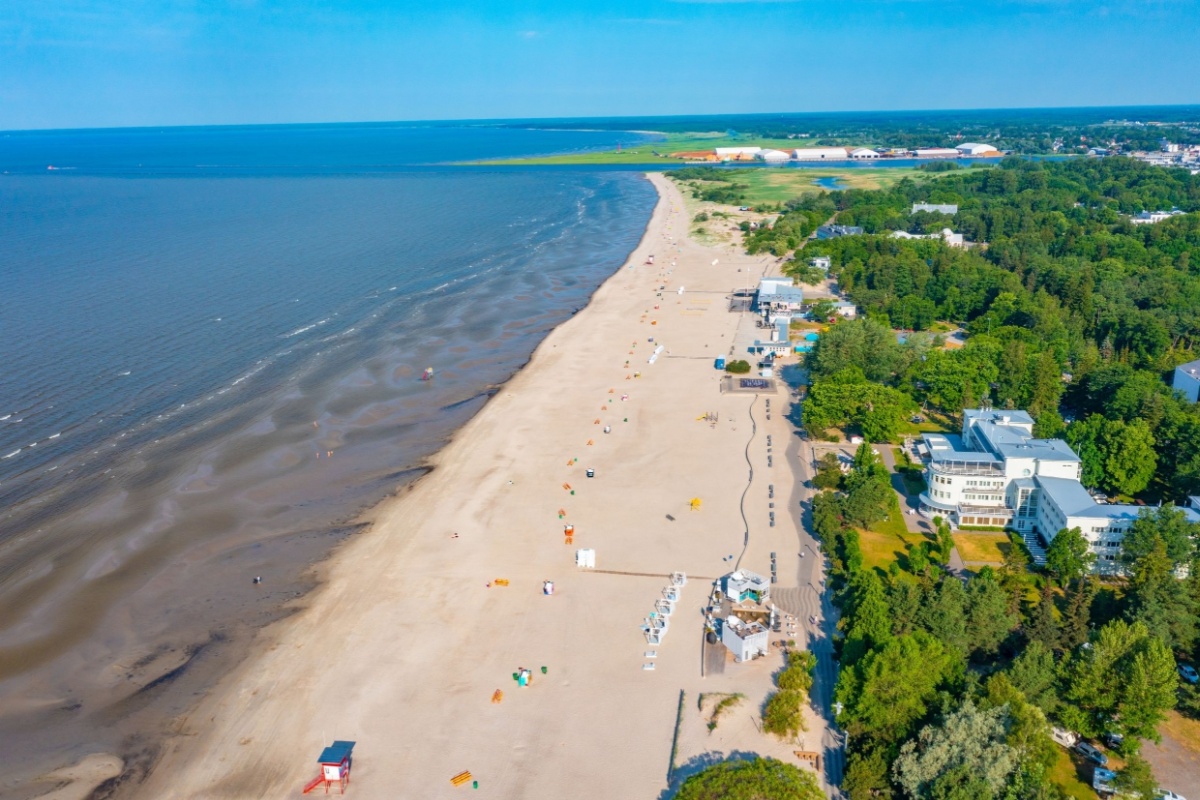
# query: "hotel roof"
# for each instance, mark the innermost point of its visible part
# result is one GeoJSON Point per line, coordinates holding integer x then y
{"type": "Point", "coordinates": [1074, 501]}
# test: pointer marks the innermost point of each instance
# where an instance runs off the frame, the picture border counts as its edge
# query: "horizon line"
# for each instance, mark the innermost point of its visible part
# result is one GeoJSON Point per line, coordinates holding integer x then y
{"type": "Point", "coordinates": [485, 121]}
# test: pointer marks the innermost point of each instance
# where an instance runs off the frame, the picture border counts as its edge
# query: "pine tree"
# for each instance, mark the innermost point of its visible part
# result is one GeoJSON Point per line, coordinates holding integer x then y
{"type": "Point", "coordinates": [1044, 627]}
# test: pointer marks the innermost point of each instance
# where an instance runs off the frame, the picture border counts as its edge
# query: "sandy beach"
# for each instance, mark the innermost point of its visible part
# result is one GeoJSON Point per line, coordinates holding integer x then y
{"type": "Point", "coordinates": [404, 644]}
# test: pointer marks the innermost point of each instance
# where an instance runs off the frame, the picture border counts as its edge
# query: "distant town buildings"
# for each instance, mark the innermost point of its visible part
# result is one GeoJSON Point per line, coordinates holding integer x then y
{"type": "Point", "coordinates": [935, 208]}
{"type": "Point", "coordinates": [1152, 217]}
{"type": "Point", "coordinates": [774, 156]}
{"type": "Point", "coordinates": [945, 234]}
{"type": "Point", "coordinates": [997, 474]}
{"type": "Point", "coordinates": [834, 231]}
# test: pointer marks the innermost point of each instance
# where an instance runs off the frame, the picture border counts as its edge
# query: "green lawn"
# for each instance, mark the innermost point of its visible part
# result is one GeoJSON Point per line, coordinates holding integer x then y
{"type": "Point", "coordinates": [774, 185]}
{"type": "Point", "coordinates": [1065, 774]}
{"type": "Point", "coordinates": [984, 547]}
{"type": "Point", "coordinates": [880, 548]}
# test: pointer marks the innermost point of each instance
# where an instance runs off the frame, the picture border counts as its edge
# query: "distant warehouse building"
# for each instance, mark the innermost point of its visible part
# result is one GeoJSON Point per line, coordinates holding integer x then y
{"type": "Point", "coordinates": [821, 154]}
{"type": "Point", "coordinates": [738, 153]}
{"type": "Point", "coordinates": [935, 152]}
{"type": "Point", "coordinates": [772, 156]}
{"type": "Point", "coordinates": [860, 153]}
{"type": "Point", "coordinates": [976, 149]}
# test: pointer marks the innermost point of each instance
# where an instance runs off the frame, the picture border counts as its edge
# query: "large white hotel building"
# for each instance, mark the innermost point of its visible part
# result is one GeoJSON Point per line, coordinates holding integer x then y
{"type": "Point", "coordinates": [996, 474]}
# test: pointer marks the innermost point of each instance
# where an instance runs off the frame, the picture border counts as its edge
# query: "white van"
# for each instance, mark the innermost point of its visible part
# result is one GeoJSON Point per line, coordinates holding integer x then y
{"type": "Point", "coordinates": [1067, 739]}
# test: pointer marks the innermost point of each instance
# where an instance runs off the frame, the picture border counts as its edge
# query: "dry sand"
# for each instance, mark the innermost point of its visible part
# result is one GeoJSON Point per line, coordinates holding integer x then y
{"type": "Point", "coordinates": [403, 646]}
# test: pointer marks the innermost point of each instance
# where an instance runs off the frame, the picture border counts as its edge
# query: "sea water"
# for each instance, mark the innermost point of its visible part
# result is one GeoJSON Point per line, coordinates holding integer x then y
{"type": "Point", "coordinates": [211, 343]}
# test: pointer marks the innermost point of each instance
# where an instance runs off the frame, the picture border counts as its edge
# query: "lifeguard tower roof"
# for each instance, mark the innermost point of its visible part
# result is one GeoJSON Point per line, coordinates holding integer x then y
{"type": "Point", "coordinates": [336, 753]}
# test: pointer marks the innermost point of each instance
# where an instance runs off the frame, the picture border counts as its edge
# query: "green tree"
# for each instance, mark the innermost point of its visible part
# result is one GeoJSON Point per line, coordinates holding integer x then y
{"type": "Point", "coordinates": [1167, 524]}
{"type": "Point", "coordinates": [1116, 455]}
{"type": "Point", "coordinates": [1069, 556]}
{"type": "Point", "coordinates": [1077, 620]}
{"type": "Point", "coordinates": [1033, 673]}
{"type": "Point", "coordinates": [1160, 601]}
{"type": "Point", "coordinates": [866, 775]}
{"type": "Point", "coordinates": [759, 779]}
{"type": "Point", "coordinates": [1124, 681]}
{"type": "Point", "coordinates": [989, 621]}
{"type": "Point", "coordinates": [946, 616]}
{"type": "Point", "coordinates": [829, 472]}
{"type": "Point", "coordinates": [862, 343]}
{"type": "Point", "coordinates": [890, 690]}
{"type": "Point", "coordinates": [969, 742]}
{"type": "Point", "coordinates": [870, 617]}
{"type": "Point", "coordinates": [1044, 627]}
{"type": "Point", "coordinates": [1136, 779]}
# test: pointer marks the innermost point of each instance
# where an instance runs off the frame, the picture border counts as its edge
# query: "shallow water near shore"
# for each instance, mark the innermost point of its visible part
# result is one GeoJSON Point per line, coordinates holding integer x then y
{"type": "Point", "coordinates": [210, 372]}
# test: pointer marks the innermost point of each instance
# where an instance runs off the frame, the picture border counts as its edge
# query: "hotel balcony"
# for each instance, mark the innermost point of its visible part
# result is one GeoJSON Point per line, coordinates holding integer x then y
{"type": "Point", "coordinates": [975, 469]}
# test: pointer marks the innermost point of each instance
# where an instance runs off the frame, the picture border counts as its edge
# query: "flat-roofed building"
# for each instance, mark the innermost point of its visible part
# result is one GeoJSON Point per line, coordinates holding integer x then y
{"type": "Point", "coordinates": [821, 154]}
{"type": "Point", "coordinates": [977, 149]}
{"type": "Point", "coordinates": [935, 152]}
{"type": "Point", "coordinates": [997, 474]}
{"type": "Point", "coordinates": [1187, 380]}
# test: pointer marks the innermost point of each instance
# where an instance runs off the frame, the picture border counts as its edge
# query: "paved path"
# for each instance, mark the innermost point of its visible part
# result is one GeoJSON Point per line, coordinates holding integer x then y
{"type": "Point", "coordinates": [1175, 767]}
{"type": "Point", "coordinates": [809, 599]}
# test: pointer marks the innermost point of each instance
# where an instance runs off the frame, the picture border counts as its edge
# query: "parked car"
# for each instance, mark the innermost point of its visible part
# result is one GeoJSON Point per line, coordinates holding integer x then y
{"type": "Point", "coordinates": [1163, 794]}
{"type": "Point", "coordinates": [1189, 674]}
{"type": "Point", "coordinates": [1114, 740]}
{"type": "Point", "coordinates": [1091, 753]}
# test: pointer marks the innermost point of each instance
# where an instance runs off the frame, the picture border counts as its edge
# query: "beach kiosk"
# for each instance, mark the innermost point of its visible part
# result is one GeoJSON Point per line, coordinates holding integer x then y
{"type": "Point", "coordinates": [742, 585]}
{"type": "Point", "coordinates": [335, 763]}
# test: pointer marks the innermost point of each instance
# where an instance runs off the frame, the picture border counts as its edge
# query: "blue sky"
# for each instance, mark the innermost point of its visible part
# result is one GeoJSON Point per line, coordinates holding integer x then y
{"type": "Point", "coordinates": [97, 63]}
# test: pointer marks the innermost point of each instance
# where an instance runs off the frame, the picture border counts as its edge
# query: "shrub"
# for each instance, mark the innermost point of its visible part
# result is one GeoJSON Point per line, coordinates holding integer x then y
{"type": "Point", "coordinates": [738, 367]}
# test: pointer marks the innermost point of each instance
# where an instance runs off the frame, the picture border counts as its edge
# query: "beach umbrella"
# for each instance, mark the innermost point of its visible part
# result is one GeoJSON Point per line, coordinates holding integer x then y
{"type": "Point", "coordinates": [695, 504]}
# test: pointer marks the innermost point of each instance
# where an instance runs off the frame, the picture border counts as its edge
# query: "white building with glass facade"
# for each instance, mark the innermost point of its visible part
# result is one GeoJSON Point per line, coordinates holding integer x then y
{"type": "Point", "coordinates": [997, 474]}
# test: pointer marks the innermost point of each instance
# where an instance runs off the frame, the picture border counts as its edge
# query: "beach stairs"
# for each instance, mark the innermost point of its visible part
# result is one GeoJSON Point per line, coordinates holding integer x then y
{"type": "Point", "coordinates": [1033, 543]}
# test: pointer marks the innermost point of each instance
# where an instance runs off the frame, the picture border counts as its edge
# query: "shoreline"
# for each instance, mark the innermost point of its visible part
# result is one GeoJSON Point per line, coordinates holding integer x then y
{"type": "Point", "coordinates": [409, 592]}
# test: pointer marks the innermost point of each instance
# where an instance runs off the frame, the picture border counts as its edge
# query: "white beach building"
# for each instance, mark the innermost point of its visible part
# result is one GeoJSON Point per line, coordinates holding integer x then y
{"type": "Point", "coordinates": [977, 149]}
{"type": "Point", "coordinates": [746, 640]}
{"type": "Point", "coordinates": [745, 586]}
{"type": "Point", "coordinates": [996, 474]}
{"type": "Point", "coordinates": [779, 294]}
{"type": "Point", "coordinates": [820, 154]}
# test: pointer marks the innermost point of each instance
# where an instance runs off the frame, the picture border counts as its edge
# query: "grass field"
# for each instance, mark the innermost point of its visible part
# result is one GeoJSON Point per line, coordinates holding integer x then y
{"type": "Point", "coordinates": [772, 185]}
{"type": "Point", "coordinates": [1066, 775]}
{"type": "Point", "coordinates": [983, 547]}
{"type": "Point", "coordinates": [889, 541]}
{"type": "Point", "coordinates": [1183, 730]}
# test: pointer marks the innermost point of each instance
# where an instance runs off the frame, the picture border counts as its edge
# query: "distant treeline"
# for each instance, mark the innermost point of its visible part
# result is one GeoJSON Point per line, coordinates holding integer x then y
{"type": "Point", "coordinates": [1019, 130]}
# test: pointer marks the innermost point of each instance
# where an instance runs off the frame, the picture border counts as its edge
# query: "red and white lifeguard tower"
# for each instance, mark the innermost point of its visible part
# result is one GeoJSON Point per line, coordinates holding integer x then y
{"type": "Point", "coordinates": [335, 763]}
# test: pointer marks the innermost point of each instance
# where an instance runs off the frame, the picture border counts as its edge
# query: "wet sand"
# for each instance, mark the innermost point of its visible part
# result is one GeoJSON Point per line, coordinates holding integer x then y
{"type": "Point", "coordinates": [409, 635]}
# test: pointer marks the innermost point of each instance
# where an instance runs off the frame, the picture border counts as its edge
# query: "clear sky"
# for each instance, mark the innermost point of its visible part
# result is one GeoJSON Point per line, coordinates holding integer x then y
{"type": "Point", "coordinates": [94, 63]}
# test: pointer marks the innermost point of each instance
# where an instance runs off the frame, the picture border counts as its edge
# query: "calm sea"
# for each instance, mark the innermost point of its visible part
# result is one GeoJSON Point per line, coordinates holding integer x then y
{"type": "Point", "coordinates": [212, 340]}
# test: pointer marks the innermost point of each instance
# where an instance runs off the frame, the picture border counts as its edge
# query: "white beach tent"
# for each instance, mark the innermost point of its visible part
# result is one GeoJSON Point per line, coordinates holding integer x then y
{"type": "Point", "coordinates": [585, 559]}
